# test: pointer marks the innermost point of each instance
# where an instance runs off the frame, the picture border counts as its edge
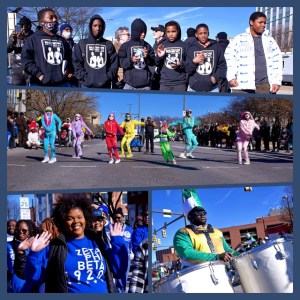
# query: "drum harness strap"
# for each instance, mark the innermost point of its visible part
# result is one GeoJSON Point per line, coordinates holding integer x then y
{"type": "Point", "coordinates": [211, 246]}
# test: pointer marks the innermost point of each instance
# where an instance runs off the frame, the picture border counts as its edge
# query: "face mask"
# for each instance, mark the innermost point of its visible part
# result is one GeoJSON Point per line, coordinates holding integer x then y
{"type": "Point", "coordinates": [66, 34]}
{"type": "Point", "coordinates": [53, 26]}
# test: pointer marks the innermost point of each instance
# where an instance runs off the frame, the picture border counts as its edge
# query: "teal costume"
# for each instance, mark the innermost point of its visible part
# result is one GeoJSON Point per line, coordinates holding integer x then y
{"type": "Point", "coordinates": [188, 124]}
{"type": "Point", "coordinates": [190, 139]}
{"type": "Point", "coordinates": [164, 134]}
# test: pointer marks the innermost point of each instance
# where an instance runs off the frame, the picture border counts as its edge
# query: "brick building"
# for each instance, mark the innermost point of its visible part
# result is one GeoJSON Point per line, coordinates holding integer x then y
{"type": "Point", "coordinates": [237, 234]}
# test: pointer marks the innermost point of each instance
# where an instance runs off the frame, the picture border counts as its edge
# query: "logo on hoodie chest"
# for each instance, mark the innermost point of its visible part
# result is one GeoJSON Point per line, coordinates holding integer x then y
{"type": "Point", "coordinates": [53, 51]}
{"type": "Point", "coordinates": [173, 56]}
{"type": "Point", "coordinates": [137, 51]}
{"type": "Point", "coordinates": [96, 56]}
{"type": "Point", "coordinates": [207, 66]}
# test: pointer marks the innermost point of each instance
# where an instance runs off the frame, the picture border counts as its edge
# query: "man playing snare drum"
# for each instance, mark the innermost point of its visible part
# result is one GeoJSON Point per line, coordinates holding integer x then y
{"type": "Point", "coordinates": [200, 242]}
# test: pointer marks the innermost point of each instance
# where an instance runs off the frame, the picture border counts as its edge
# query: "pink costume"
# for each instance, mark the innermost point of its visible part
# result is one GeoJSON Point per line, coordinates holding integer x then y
{"type": "Point", "coordinates": [244, 135]}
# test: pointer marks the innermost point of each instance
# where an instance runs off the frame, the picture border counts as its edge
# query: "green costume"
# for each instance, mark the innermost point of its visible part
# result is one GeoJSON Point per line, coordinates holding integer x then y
{"type": "Point", "coordinates": [164, 144]}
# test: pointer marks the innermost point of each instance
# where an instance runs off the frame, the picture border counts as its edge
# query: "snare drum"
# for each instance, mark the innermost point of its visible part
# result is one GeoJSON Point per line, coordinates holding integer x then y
{"type": "Point", "coordinates": [210, 277]}
{"type": "Point", "coordinates": [267, 268]}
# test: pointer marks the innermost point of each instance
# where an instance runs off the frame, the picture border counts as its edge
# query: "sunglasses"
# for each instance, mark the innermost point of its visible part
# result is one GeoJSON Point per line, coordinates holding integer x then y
{"type": "Point", "coordinates": [23, 231]}
{"type": "Point", "coordinates": [117, 218]}
{"type": "Point", "coordinates": [200, 213]}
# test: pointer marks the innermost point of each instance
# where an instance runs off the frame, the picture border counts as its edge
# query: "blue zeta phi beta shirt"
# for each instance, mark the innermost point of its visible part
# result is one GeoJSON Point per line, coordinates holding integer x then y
{"type": "Point", "coordinates": [85, 267]}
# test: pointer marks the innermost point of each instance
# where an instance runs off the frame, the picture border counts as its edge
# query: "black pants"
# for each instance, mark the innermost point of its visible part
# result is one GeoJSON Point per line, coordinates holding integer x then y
{"type": "Point", "coordinates": [149, 137]}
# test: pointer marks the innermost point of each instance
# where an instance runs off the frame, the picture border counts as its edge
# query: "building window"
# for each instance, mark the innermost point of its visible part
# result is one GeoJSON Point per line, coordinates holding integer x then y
{"type": "Point", "coordinates": [124, 199]}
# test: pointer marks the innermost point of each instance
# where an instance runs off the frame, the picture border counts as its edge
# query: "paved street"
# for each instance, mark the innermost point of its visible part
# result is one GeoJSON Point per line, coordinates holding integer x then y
{"type": "Point", "coordinates": [286, 90]}
{"type": "Point", "coordinates": [211, 166]}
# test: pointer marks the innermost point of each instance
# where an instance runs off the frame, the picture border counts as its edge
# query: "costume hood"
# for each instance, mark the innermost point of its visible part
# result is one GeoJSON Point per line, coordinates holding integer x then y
{"type": "Point", "coordinates": [246, 112]}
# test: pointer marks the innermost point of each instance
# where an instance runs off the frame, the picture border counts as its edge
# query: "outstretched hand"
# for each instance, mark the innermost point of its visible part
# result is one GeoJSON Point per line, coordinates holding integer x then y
{"type": "Point", "coordinates": [41, 241]}
{"type": "Point", "coordinates": [116, 229]}
{"type": "Point", "coordinates": [26, 244]}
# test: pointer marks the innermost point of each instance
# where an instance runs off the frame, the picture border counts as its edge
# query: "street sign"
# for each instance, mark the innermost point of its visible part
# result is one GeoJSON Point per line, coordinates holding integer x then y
{"type": "Point", "coordinates": [24, 202]}
{"type": "Point", "coordinates": [167, 213]}
{"type": "Point", "coordinates": [25, 214]}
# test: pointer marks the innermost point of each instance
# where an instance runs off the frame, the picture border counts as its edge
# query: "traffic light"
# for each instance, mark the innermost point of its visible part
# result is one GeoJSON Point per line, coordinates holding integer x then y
{"type": "Point", "coordinates": [153, 246]}
{"type": "Point", "coordinates": [158, 241]}
{"type": "Point", "coordinates": [164, 233]}
{"type": "Point", "coordinates": [154, 238]}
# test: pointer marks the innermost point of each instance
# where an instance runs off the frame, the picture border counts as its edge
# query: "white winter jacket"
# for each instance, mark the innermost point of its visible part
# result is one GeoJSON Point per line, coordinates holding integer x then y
{"type": "Point", "coordinates": [240, 59]}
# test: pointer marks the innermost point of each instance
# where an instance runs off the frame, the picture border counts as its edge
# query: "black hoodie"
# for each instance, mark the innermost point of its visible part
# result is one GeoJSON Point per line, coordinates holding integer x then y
{"type": "Point", "coordinates": [176, 50]}
{"type": "Point", "coordinates": [214, 65]}
{"type": "Point", "coordinates": [95, 59]}
{"type": "Point", "coordinates": [136, 75]}
{"type": "Point", "coordinates": [43, 54]}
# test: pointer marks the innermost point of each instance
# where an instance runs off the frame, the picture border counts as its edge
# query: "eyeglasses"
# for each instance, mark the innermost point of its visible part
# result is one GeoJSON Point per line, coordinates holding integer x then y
{"type": "Point", "coordinates": [23, 231]}
{"type": "Point", "coordinates": [200, 213]}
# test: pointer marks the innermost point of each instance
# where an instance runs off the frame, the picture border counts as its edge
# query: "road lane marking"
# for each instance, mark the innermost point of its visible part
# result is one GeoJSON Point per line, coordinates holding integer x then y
{"type": "Point", "coordinates": [282, 167]}
{"type": "Point", "coordinates": [15, 165]}
{"type": "Point", "coordinates": [144, 167]}
{"type": "Point", "coordinates": [220, 167]}
{"type": "Point", "coordinates": [78, 166]}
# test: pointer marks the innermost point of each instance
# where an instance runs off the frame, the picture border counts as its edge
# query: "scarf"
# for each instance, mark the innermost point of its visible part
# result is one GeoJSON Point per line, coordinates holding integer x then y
{"type": "Point", "coordinates": [48, 120]}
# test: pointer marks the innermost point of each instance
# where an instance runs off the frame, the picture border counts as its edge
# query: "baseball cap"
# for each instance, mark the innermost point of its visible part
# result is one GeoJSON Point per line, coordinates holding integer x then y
{"type": "Point", "coordinates": [158, 28]}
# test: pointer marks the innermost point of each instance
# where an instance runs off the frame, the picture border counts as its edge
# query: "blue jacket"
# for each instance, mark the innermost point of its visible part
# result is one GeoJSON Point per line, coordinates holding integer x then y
{"type": "Point", "coordinates": [138, 235]}
{"type": "Point", "coordinates": [49, 265]}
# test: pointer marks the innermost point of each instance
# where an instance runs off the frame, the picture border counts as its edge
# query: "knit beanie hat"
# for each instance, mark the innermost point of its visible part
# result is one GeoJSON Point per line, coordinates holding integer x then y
{"type": "Point", "coordinates": [24, 21]}
{"type": "Point", "coordinates": [64, 26]}
{"type": "Point", "coordinates": [191, 200]}
{"type": "Point", "coordinates": [222, 35]}
{"type": "Point", "coordinates": [191, 32]}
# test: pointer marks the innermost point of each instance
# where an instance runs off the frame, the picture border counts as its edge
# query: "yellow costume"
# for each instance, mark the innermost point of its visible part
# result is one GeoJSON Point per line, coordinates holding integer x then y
{"type": "Point", "coordinates": [128, 127]}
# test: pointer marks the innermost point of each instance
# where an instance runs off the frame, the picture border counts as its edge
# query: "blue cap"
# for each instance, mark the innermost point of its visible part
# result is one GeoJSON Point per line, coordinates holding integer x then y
{"type": "Point", "coordinates": [103, 208]}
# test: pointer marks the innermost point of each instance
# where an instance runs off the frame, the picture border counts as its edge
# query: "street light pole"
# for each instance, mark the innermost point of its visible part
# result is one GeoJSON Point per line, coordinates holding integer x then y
{"type": "Point", "coordinates": [139, 107]}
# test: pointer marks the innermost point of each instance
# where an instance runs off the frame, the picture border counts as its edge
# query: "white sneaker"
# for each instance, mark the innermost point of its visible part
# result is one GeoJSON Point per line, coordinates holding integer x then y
{"type": "Point", "coordinates": [247, 162]}
{"type": "Point", "coordinates": [240, 162]}
{"type": "Point", "coordinates": [52, 160]}
{"type": "Point", "coordinates": [174, 162]}
{"type": "Point", "coordinates": [46, 159]}
{"type": "Point", "coordinates": [117, 161]}
{"type": "Point", "coordinates": [190, 155]}
{"type": "Point", "coordinates": [111, 161]}
{"type": "Point", "coordinates": [182, 155]}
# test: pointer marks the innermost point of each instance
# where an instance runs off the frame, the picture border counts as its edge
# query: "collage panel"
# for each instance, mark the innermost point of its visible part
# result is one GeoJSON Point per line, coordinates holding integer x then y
{"type": "Point", "coordinates": [189, 48]}
{"type": "Point", "coordinates": [236, 239]}
{"type": "Point", "coordinates": [150, 104]}
{"type": "Point", "coordinates": [133, 140]}
{"type": "Point", "coordinates": [91, 242]}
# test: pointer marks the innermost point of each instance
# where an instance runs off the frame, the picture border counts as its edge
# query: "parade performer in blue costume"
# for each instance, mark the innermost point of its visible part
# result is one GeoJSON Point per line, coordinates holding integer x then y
{"type": "Point", "coordinates": [188, 122]}
{"type": "Point", "coordinates": [163, 136]}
